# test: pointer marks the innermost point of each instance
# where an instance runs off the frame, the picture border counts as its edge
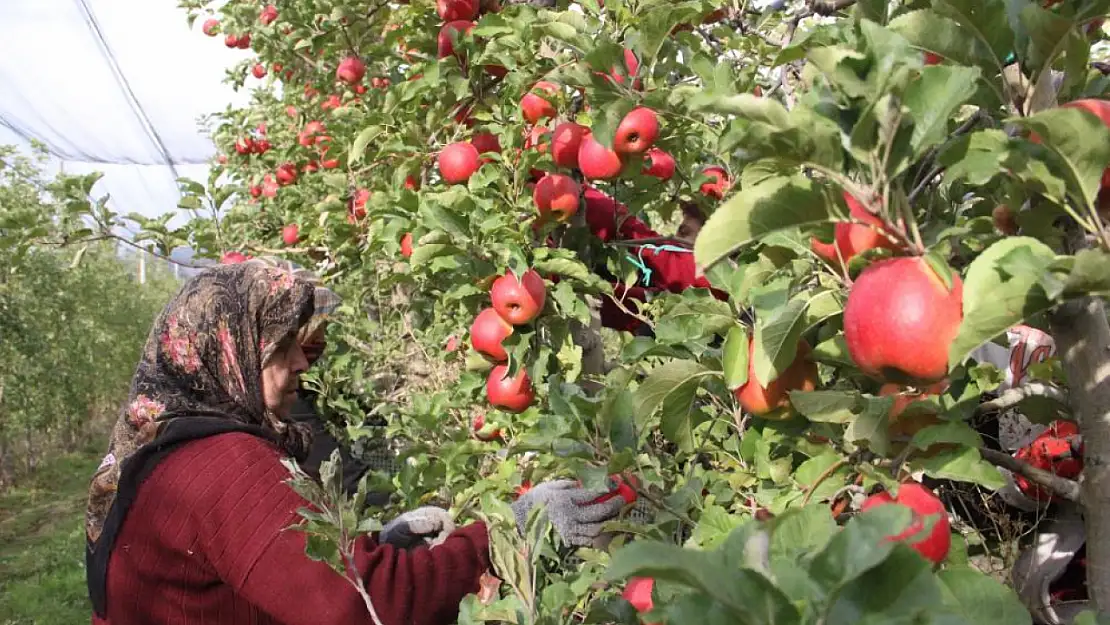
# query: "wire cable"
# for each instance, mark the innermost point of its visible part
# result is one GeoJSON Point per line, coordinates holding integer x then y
{"type": "Point", "coordinates": [133, 101]}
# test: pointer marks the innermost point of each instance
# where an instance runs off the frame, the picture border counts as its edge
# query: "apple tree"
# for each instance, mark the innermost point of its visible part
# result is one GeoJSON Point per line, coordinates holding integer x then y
{"type": "Point", "coordinates": [888, 185]}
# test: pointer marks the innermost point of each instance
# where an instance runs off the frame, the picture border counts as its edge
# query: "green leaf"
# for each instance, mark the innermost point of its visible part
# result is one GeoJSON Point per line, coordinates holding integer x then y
{"type": "Point", "coordinates": [566, 267]}
{"type": "Point", "coordinates": [975, 157]}
{"type": "Point", "coordinates": [776, 341]}
{"type": "Point", "coordinates": [981, 599]}
{"type": "Point", "coordinates": [667, 379]}
{"type": "Point", "coordinates": [993, 301]}
{"type": "Point", "coordinates": [900, 589]}
{"type": "Point", "coordinates": [363, 139]}
{"type": "Point", "coordinates": [745, 106]}
{"type": "Point", "coordinates": [931, 31]}
{"type": "Point", "coordinates": [872, 426]}
{"type": "Point", "coordinates": [963, 464]}
{"type": "Point", "coordinates": [948, 432]}
{"type": "Point", "coordinates": [983, 20]}
{"type": "Point", "coordinates": [859, 547]}
{"type": "Point", "coordinates": [811, 470]}
{"type": "Point", "coordinates": [425, 253]}
{"type": "Point", "coordinates": [693, 319]}
{"type": "Point", "coordinates": [734, 357]}
{"type": "Point", "coordinates": [827, 406]}
{"type": "Point", "coordinates": [802, 531]}
{"type": "Point", "coordinates": [680, 414]}
{"type": "Point", "coordinates": [933, 98]}
{"type": "Point", "coordinates": [777, 204]}
{"type": "Point", "coordinates": [1080, 142]}
{"type": "Point", "coordinates": [748, 594]}
{"type": "Point", "coordinates": [1090, 274]}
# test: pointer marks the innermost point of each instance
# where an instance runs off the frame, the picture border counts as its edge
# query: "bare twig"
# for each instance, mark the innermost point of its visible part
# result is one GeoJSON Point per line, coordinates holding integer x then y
{"type": "Point", "coordinates": [1065, 488]}
{"type": "Point", "coordinates": [833, 468]}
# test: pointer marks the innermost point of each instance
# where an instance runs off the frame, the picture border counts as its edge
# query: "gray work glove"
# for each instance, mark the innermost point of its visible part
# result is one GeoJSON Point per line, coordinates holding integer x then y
{"type": "Point", "coordinates": [424, 525]}
{"type": "Point", "coordinates": [568, 507]}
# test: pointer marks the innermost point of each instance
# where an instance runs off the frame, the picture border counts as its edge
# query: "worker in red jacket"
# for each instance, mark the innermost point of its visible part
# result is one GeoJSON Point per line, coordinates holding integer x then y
{"type": "Point", "coordinates": [665, 267]}
{"type": "Point", "coordinates": [188, 513]}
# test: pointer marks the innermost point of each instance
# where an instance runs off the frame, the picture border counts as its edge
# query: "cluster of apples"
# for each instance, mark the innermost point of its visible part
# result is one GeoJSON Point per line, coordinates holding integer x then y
{"type": "Point", "coordinates": [211, 27]}
{"type": "Point", "coordinates": [514, 301]}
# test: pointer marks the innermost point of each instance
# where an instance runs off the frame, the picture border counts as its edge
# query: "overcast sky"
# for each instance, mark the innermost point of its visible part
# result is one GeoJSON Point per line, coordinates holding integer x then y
{"type": "Point", "coordinates": [58, 85]}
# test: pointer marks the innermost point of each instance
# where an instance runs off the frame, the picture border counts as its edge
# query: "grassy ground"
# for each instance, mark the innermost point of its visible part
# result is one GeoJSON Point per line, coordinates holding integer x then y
{"type": "Point", "coordinates": [42, 544]}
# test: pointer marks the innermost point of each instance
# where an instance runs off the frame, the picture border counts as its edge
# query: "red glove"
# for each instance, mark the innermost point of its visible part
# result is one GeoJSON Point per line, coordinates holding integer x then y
{"type": "Point", "coordinates": [1058, 450]}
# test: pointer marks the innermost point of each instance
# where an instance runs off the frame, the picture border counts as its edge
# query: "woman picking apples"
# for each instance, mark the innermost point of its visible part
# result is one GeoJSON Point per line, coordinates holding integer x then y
{"type": "Point", "coordinates": [188, 513]}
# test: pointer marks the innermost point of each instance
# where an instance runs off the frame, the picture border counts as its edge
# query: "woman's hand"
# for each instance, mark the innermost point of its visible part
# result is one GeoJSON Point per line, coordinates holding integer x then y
{"type": "Point", "coordinates": [570, 509]}
{"type": "Point", "coordinates": [423, 525]}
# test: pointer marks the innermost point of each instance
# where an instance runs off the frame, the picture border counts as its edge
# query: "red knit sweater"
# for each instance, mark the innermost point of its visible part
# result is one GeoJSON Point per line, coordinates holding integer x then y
{"type": "Point", "coordinates": [205, 543]}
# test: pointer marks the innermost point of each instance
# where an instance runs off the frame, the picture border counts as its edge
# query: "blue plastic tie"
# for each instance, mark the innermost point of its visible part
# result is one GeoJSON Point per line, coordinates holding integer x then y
{"type": "Point", "coordinates": [638, 260]}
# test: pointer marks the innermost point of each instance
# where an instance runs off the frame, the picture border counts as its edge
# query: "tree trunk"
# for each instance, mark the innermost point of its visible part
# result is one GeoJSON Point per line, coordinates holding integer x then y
{"type": "Point", "coordinates": [593, 350]}
{"type": "Point", "coordinates": [1082, 337]}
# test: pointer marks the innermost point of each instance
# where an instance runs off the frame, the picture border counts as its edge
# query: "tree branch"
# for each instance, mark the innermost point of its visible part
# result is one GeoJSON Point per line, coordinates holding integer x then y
{"type": "Point", "coordinates": [1014, 396]}
{"type": "Point", "coordinates": [1068, 489]}
{"type": "Point", "coordinates": [829, 7]}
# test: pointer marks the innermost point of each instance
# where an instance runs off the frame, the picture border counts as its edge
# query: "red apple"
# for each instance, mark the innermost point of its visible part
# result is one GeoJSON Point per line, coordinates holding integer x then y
{"type": "Point", "coordinates": [598, 162]}
{"type": "Point", "coordinates": [350, 70]}
{"type": "Point", "coordinates": [357, 206]}
{"type": "Point", "coordinates": [485, 142]}
{"type": "Point", "coordinates": [488, 332]}
{"type": "Point", "coordinates": [244, 41]}
{"type": "Point", "coordinates": [534, 107]}
{"type": "Point", "coordinates": [412, 183]}
{"type": "Point", "coordinates": [458, 162]}
{"type": "Point", "coordinates": [662, 164]}
{"type": "Point", "coordinates": [244, 145]}
{"type": "Point", "coordinates": [923, 504]}
{"type": "Point", "coordinates": [637, 131]}
{"type": "Point", "coordinates": [269, 186]}
{"type": "Point", "coordinates": [268, 15]}
{"type": "Point", "coordinates": [901, 319]}
{"type": "Point", "coordinates": [478, 425]}
{"type": "Point", "coordinates": [565, 141]}
{"type": "Point", "coordinates": [406, 245]}
{"type": "Point", "coordinates": [524, 487]}
{"type": "Point", "coordinates": [768, 401]}
{"type": "Point", "coordinates": [444, 46]}
{"type": "Point", "coordinates": [719, 185]}
{"type": "Point", "coordinates": [933, 58]}
{"type": "Point", "coordinates": [854, 238]}
{"type": "Point", "coordinates": [631, 67]}
{"type": "Point", "coordinates": [638, 593]}
{"type": "Point", "coordinates": [451, 10]}
{"type": "Point", "coordinates": [261, 146]}
{"type": "Point", "coordinates": [826, 251]}
{"type": "Point", "coordinates": [231, 41]}
{"type": "Point", "coordinates": [286, 174]}
{"type": "Point", "coordinates": [211, 28]}
{"type": "Point", "coordinates": [518, 300]}
{"type": "Point", "coordinates": [259, 70]}
{"type": "Point", "coordinates": [233, 258]}
{"type": "Point", "coordinates": [291, 234]}
{"type": "Point", "coordinates": [620, 486]}
{"type": "Point", "coordinates": [509, 394]}
{"type": "Point", "coordinates": [255, 191]}
{"type": "Point", "coordinates": [556, 195]}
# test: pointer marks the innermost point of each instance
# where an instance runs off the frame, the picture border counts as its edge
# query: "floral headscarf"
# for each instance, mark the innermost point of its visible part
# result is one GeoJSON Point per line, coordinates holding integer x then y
{"type": "Point", "coordinates": [199, 375]}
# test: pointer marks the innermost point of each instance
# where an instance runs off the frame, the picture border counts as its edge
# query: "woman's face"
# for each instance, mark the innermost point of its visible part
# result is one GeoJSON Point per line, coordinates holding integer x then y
{"type": "Point", "coordinates": [281, 378]}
